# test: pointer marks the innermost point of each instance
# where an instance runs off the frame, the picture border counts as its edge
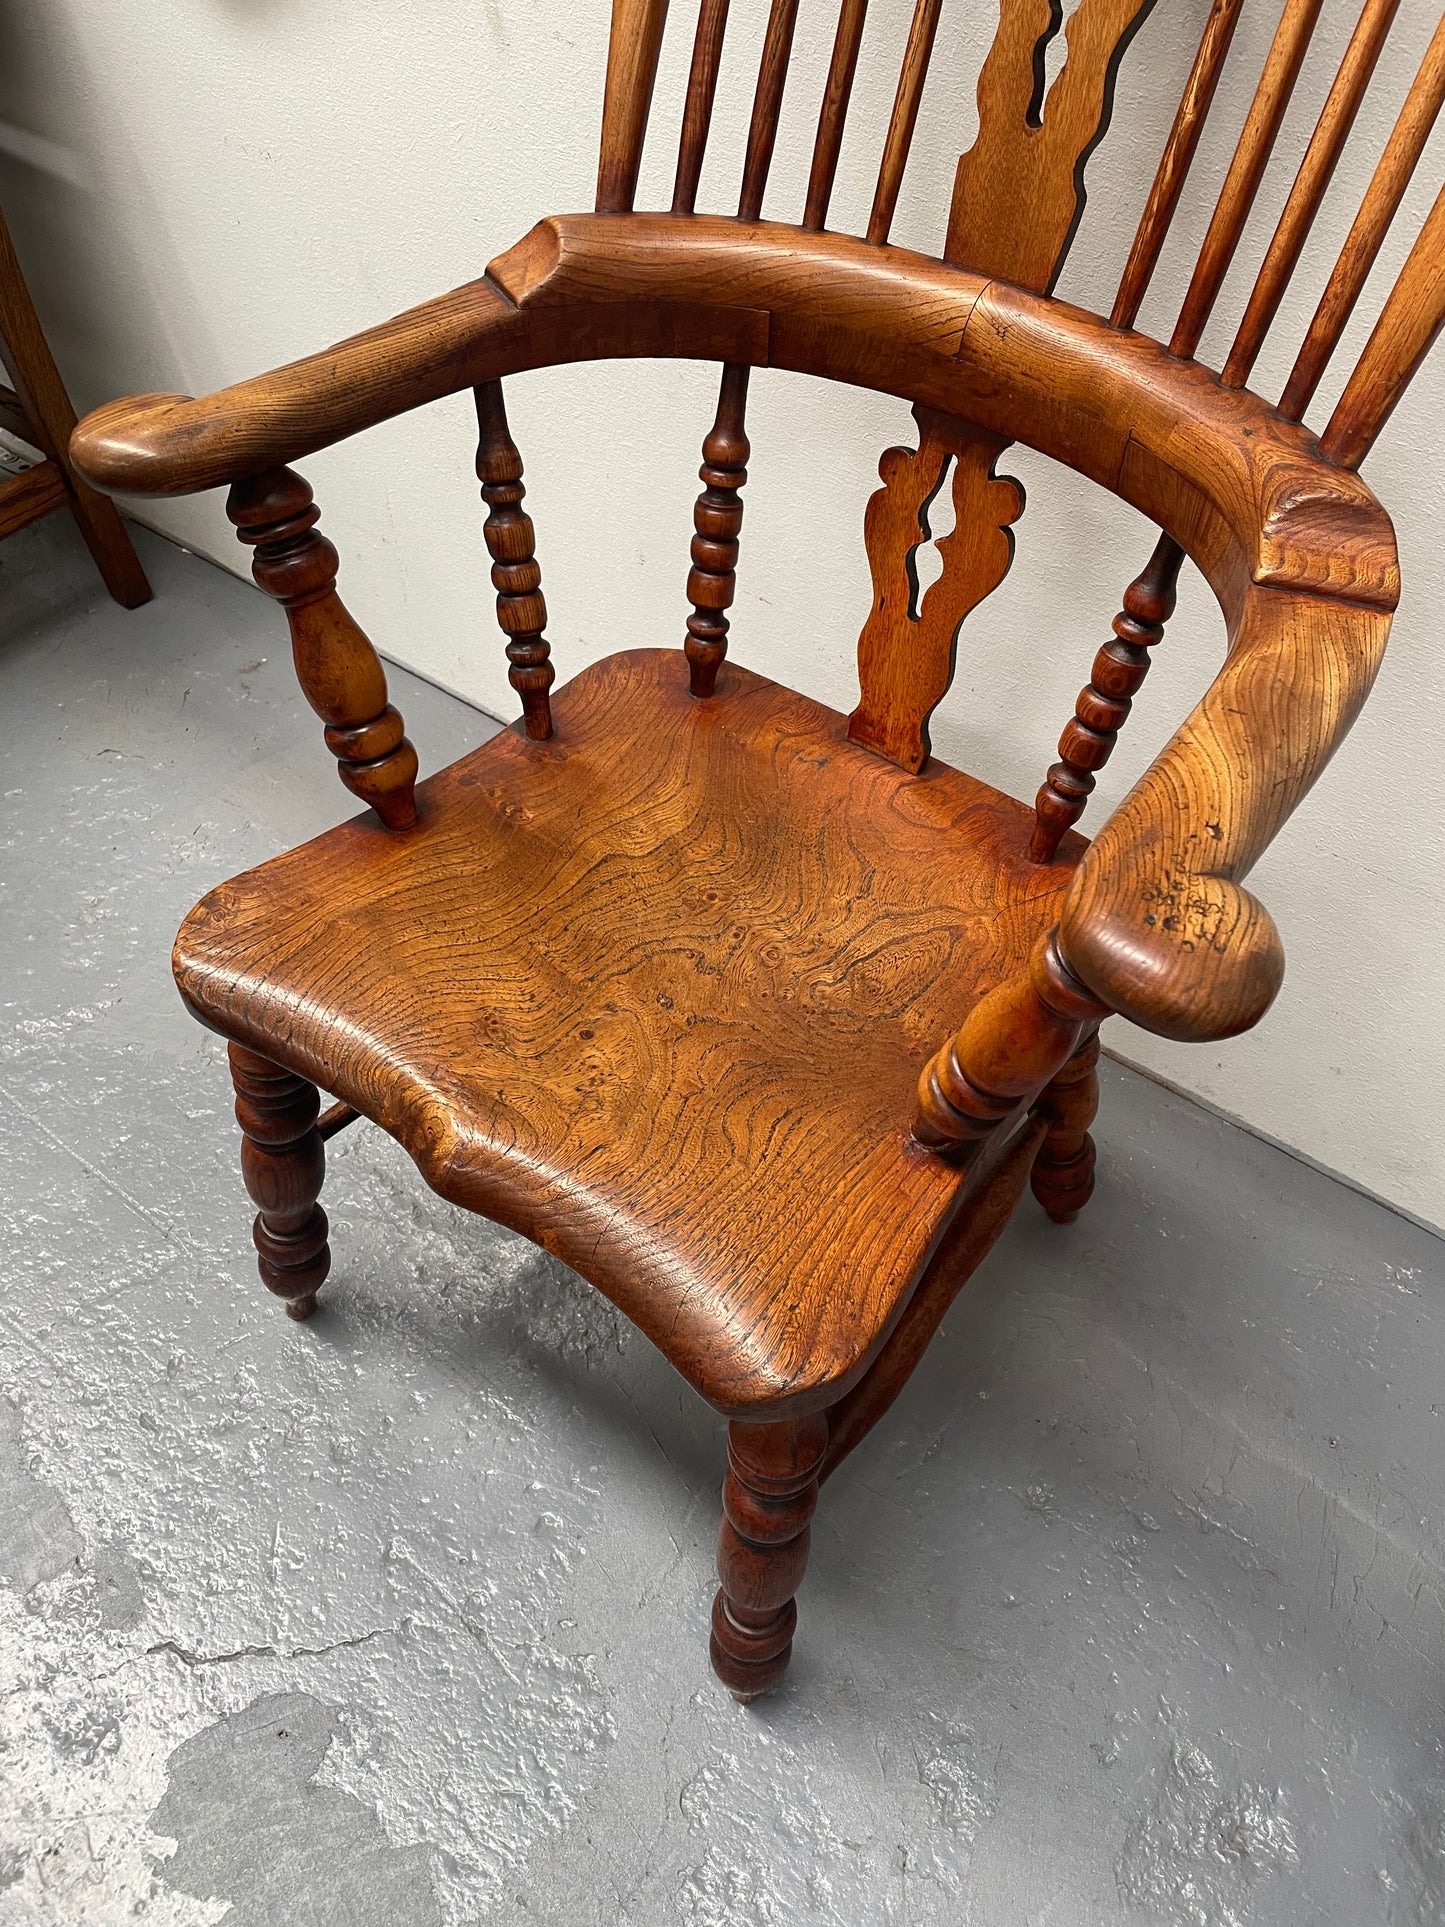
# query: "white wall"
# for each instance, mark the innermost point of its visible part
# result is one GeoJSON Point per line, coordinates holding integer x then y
{"type": "Point", "coordinates": [202, 191]}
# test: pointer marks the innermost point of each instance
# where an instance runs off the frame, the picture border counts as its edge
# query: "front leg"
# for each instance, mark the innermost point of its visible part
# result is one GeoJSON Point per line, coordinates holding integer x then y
{"type": "Point", "coordinates": [283, 1164]}
{"type": "Point", "coordinates": [769, 1495]}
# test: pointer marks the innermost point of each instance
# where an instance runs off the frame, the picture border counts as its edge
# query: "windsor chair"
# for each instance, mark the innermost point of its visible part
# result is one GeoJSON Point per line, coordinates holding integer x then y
{"type": "Point", "coordinates": [759, 1016]}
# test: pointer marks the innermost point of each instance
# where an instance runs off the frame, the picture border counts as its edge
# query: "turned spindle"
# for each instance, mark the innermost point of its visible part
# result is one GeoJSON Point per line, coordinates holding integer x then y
{"type": "Point", "coordinates": [283, 1165]}
{"type": "Point", "coordinates": [339, 671]}
{"type": "Point", "coordinates": [1014, 1042]}
{"type": "Point", "coordinates": [1063, 1172]}
{"type": "Point", "coordinates": [717, 519]}
{"type": "Point", "coordinates": [769, 1496]}
{"type": "Point", "coordinates": [1104, 704]}
{"type": "Point", "coordinates": [516, 577]}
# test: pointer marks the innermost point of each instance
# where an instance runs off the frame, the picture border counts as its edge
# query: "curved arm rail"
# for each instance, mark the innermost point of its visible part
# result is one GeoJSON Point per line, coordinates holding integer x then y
{"type": "Point", "coordinates": [1299, 553]}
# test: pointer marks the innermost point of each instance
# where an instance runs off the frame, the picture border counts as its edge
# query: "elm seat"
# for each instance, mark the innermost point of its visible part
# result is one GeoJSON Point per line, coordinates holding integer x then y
{"type": "Point", "coordinates": [702, 1101]}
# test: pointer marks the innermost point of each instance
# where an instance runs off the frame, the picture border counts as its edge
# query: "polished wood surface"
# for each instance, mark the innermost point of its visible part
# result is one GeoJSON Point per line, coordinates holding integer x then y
{"type": "Point", "coordinates": [717, 520]}
{"type": "Point", "coordinates": [906, 650]}
{"type": "Point", "coordinates": [339, 672]}
{"type": "Point", "coordinates": [833, 115]}
{"type": "Point", "coordinates": [516, 577]}
{"type": "Point", "coordinates": [1246, 170]}
{"type": "Point", "coordinates": [1190, 120]}
{"type": "Point", "coordinates": [1392, 176]}
{"type": "Point", "coordinates": [657, 994]}
{"type": "Point", "coordinates": [762, 1019]}
{"type": "Point", "coordinates": [904, 119]}
{"type": "Point", "coordinates": [1104, 703]}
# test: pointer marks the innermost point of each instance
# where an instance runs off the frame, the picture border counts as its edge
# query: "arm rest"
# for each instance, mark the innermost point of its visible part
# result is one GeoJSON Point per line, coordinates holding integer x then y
{"type": "Point", "coordinates": [174, 445]}
{"type": "Point", "coordinates": [1156, 923]}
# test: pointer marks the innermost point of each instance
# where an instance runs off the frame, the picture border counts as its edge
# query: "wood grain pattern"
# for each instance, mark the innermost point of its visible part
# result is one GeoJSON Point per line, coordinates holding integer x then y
{"type": "Point", "coordinates": [1391, 177]}
{"type": "Point", "coordinates": [906, 650]}
{"type": "Point", "coordinates": [516, 577]}
{"type": "Point", "coordinates": [1019, 192]}
{"type": "Point", "coordinates": [633, 52]}
{"type": "Point", "coordinates": [657, 994]}
{"type": "Point", "coordinates": [754, 1016]}
{"type": "Point", "coordinates": [1190, 120]}
{"type": "Point", "coordinates": [833, 115]}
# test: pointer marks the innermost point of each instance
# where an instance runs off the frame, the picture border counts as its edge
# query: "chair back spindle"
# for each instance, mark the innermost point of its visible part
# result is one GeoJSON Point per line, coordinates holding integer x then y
{"type": "Point", "coordinates": [1382, 200]}
{"type": "Point", "coordinates": [1176, 161]}
{"type": "Point", "coordinates": [834, 113]}
{"type": "Point", "coordinates": [712, 20]}
{"type": "Point", "coordinates": [767, 105]}
{"type": "Point", "coordinates": [1316, 171]}
{"type": "Point", "coordinates": [904, 118]}
{"type": "Point", "coordinates": [1246, 171]}
{"type": "Point", "coordinates": [633, 52]}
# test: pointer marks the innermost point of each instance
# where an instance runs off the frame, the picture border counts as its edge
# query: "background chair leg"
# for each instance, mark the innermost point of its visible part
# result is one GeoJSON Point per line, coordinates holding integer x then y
{"type": "Point", "coordinates": [283, 1163]}
{"type": "Point", "coordinates": [769, 1495]}
{"type": "Point", "coordinates": [1063, 1174]}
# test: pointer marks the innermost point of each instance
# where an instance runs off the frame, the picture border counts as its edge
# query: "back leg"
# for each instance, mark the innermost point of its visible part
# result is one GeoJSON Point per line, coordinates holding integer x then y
{"type": "Point", "coordinates": [283, 1163]}
{"type": "Point", "coordinates": [1063, 1174]}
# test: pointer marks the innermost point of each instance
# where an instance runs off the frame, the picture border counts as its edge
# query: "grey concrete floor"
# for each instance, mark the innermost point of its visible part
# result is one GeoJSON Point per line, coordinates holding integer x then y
{"type": "Point", "coordinates": [1130, 1612]}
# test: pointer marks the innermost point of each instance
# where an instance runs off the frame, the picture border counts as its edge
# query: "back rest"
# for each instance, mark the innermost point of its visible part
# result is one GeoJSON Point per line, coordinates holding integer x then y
{"type": "Point", "coordinates": [1017, 199]}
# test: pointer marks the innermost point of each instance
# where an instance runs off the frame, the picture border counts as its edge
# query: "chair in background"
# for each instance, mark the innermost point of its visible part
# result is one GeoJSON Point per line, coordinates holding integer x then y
{"type": "Point", "coordinates": [758, 1015]}
{"type": "Point", "coordinates": [36, 410]}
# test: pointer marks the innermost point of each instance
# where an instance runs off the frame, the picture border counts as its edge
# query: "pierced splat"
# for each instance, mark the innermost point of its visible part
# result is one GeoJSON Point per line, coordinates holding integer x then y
{"type": "Point", "coordinates": [1018, 194]}
{"type": "Point", "coordinates": [907, 648]}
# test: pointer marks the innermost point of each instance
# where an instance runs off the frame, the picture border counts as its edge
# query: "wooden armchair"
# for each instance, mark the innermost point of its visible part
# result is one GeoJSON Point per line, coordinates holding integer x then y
{"type": "Point", "coordinates": [757, 1015]}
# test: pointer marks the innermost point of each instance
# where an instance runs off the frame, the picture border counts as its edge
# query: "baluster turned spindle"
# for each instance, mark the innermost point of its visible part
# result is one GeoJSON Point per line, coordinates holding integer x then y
{"type": "Point", "coordinates": [1103, 706]}
{"type": "Point", "coordinates": [339, 672]}
{"type": "Point", "coordinates": [717, 522]}
{"type": "Point", "coordinates": [516, 577]}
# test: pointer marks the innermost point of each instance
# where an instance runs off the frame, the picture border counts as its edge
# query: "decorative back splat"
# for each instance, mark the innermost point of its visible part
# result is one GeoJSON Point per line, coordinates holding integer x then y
{"type": "Point", "coordinates": [905, 655]}
{"type": "Point", "coordinates": [1018, 195]}
{"type": "Point", "coordinates": [1019, 190]}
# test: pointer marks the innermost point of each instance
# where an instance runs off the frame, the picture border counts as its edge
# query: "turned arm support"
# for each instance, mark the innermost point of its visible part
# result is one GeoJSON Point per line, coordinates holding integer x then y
{"type": "Point", "coordinates": [1157, 923]}
{"type": "Point", "coordinates": [1157, 926]}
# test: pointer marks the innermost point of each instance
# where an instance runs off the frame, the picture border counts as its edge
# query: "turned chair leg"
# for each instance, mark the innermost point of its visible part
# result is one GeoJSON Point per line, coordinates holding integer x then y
{"type": "Point", "coordinates": [283, 1163]}
{"type": "Point", "coordinates": [769, 1495]}
{"type": "Point", "coordinates": [1063, 1174]}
